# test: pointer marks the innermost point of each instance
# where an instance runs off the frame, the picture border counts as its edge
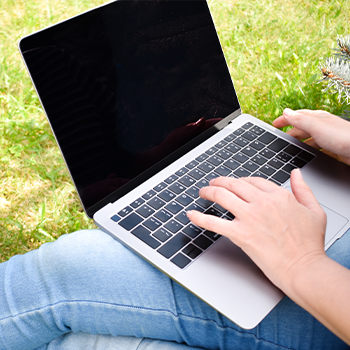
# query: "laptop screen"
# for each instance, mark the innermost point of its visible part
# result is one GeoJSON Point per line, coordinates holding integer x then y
{"type": "Point", "coordinates": [126, 85]}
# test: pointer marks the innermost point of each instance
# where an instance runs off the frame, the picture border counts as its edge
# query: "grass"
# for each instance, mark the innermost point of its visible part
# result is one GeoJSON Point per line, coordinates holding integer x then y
{"type": "Point", "coordinates": [272, 49]}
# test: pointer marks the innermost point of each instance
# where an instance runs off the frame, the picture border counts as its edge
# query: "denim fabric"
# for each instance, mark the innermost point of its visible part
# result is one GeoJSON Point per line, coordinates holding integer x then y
{"type": "Point", "coordinates": [86, 282]}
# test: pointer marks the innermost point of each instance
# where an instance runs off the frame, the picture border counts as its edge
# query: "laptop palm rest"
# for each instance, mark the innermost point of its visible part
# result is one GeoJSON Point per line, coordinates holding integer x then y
{"type": "Point", "coordinates": [243, 281]}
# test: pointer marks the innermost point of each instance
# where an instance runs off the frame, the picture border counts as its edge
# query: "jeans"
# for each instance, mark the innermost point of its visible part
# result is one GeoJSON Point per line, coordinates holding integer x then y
{"type": "Point", "coordinates": [88, 283]}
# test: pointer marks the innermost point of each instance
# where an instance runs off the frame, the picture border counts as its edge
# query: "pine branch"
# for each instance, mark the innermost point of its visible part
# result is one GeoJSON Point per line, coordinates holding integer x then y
{"type": "Point", "coordinates": [344, 47]}
{"type": "Point", "coordinates": [336, 72]}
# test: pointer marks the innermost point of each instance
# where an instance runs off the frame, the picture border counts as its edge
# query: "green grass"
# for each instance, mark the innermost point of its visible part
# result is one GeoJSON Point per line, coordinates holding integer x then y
{"type": "Point", "coordinates": [272, 49]}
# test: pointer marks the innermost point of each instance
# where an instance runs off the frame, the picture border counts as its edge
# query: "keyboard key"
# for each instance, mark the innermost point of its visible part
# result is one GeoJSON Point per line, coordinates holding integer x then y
{"type": "Point", "coordinates": [268, 170]}
{"type": "Point", "coordinates": [202, 183]}
{"type": "Point", "coordinates": [284, 157]}
{"type": "Point", "coordinates": [233, 148]}
{"type": "Point", "coordinates": [218, 207]}
{"type": "Point", "coordinates": [152, 224]}
{"type": "Point", "coordinates": [224, 154]}
{"type": "Point", "coordinates": [116, 218]}
{"type": "Point", "coordinates": [239, 131]}
{"type": "Point", "coordinates": [275, 163]}
{"type": "Point", "coordinates": [221, 144]}
{"type": "Point", "coordinates": [215, 160]}
{"type": "Point", "coordinates": [242, 172]}
{"type": "Point", "coordinates": [257, 145]}
{"type": "Point", "coordinates": [197, 174]}
{"type": "Point", "coordinates": [180, 260]}
{"type": "Point", "coordinates": [211, 151]}
{"type": "Point", "coordinates": [163, 215]}
{"type": "Point", "coordinates": [267, 138]}
{"type": "Point", "coordinates": [173, 226]}
{"type": "Point", "coordinates": [292, 150]}
{"type": "Point", "coordinates": [182, 217]}
{"type": "Point", "coordinates": [192, 251]}
{"type": "Point", "coordinates": [212, 176]}
{"type": "Point", "coordinates": [249, 136]}
{"type": "Point", "coordinates": [193, 192]}
{"type": "Point", "coordinates": [184, 199]}
{"type": "Point", "coordinates": [206, 167]}
{"type": "Point", "coordinates": [247, 125]}
{"type": "Point", "coordinates": [174, 245]}
{"type": "Point", "coordinates": [277, 145]}
{"type": "Point", "coordinates": [162, 234]}
{"type": "Point", "coordinates": [267, 153]}
{"type": "Point", "coordinates": [143, 234]}
{"type": "Point", "coordinates": [204, 203]}
{"type": "Point", "coordinates": [230, 138]}
{"type": "Point", "coordinates": [187, 181]}
{"type": "Point", "coordinates": [299, 163]}
{"type": "Point", "coordinates": [257, 130]}
{"type": "Point", "coordinates": [130, 221]}
{"type": "Point", "coordinates": [288, 168]}
{"type": "Point", "coordinates": [192, 230]}
{"type": "Point", "coordinates": [177, 188]}
{"type": "Point", "coordinates": [203, 242]}
{"type": "Point", "coordinates": [240, 157]}
{"type": "Point", "coordinates": [167, 195]}
{"type": "Point", "coordinates": [137, 203]}
{"type": "Point", "coordinates": [213, 211]}
{"type": "Point", "coordinates": [260, 174]}
{"type": "Point", "coordinates": [181, 172]}
{"type": "Point", "coordinates": [192, 164]}
{"type": "Point", "coordinates": [174, 207]}
{"type": "Point", "coordinates": [145, 211]}
{"type": "Point", "coordinates": [281, 176]}
{"type": "Point", "coordinates": [125, 212]}
{"type": "Point", "coordinates": [232, 164]}
{"type": "Point", "coordinates": [156, 203]}
{"type": "Point", "coordinates": [149, 195]}
{"type": "Point", "coordinates": [259, 159]}
{"type": "Point", "coordinates": [249, 151]}
{"type": "Point", "coordinates": [160, 187]}
{"type": "Point", "coordinates": [306, 156]}
{"type": "Point", "coordinates": [195, 206]}
{"type": "Point", "coordinates": [222, 170]}
{"type": "Point", "coordinates": [250, 166]}
{"type": "Point", "coordinates": [212, 235]}
{"type": "Point", "coordinates": [202, 158]}
{"type": "Point", "coordinates": [240, 141]}
{"type": "Point", "coordinates": [171, 179]}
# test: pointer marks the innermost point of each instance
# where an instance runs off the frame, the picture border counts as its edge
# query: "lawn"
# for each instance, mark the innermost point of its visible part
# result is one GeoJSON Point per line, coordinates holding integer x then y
{"type": "Point", "coordinates": [273, 49]}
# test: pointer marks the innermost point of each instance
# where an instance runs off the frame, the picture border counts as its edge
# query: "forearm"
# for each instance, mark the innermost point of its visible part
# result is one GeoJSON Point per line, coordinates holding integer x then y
{"type": "Point", "coordinates": [323, 289]}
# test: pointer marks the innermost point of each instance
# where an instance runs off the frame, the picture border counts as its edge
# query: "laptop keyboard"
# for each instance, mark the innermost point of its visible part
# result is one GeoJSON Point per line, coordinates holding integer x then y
{"type": "Point", "coordinates": [159, 219]}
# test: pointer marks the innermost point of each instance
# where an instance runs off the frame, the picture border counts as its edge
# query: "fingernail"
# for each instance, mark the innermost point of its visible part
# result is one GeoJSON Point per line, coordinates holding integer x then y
{"type": "Point", "coordinates": [287, 112]}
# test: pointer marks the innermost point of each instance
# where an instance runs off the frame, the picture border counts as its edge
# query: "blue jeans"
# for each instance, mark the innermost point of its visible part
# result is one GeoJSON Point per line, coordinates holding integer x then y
{"type": "Point", "coordinates": [86, 282]}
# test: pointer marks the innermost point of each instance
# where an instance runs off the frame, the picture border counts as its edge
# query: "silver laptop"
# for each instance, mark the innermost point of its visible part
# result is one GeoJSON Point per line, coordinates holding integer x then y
{"type": "Point", "coordinates": [141, 103]}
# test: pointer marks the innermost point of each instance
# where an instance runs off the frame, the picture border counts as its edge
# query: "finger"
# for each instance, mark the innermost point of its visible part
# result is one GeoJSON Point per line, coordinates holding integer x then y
{"type": "Point", "coordinates": [224, 197]}
{"type": "Point", "coordinates": [211, 223]}
{"type": "Point", "coordinates": [311, 142]}
{"type": "Point", "coordinates": [303, 192]}
{"type": "Point", "coordinates": [260, 183]}
{"type": "Point", "coordinates": [241, 189]}
{"type": "Point", "coordinates": [298, 134]}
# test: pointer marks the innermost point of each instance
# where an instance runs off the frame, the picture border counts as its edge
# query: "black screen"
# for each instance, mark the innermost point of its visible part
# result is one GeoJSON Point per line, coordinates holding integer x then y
{"type": "Point", "coordinates": [126, 85]}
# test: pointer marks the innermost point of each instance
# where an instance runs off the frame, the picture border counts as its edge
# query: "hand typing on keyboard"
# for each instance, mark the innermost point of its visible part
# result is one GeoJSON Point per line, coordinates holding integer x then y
{"type": "Point", "coordinates": [320, 129]}
{"type": "Point", "coordinates": [284, 233]}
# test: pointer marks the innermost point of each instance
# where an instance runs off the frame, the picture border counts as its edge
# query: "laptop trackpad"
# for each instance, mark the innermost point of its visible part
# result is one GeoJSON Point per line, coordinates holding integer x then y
{"type": "Point", "coordinates": [335, 222]}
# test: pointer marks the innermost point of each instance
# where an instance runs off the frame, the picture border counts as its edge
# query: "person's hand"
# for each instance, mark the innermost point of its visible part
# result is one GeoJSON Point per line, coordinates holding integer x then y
{"type": "Point", "coordinates": [281, 232]}
{"type": "Point", "coordinates": [319, 129]}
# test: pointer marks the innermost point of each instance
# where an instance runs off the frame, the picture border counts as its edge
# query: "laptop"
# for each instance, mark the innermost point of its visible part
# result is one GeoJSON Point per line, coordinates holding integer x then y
{"type": "Point", "coordinates": [141, 102]}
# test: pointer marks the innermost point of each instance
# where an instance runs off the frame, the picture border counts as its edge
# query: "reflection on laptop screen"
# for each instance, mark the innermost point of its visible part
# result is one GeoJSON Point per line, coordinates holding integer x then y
{"type": "Point", "coordinates": [127, 84]}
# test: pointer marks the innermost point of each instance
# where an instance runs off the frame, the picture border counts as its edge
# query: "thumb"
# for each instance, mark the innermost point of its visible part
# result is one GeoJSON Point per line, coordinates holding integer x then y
{"type": "Point", "coordinates": [303, 192]}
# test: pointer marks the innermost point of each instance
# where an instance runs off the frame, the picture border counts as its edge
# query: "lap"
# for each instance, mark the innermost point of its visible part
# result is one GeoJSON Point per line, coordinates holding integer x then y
{"type": "Point", "coordinates": [89, 283]}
